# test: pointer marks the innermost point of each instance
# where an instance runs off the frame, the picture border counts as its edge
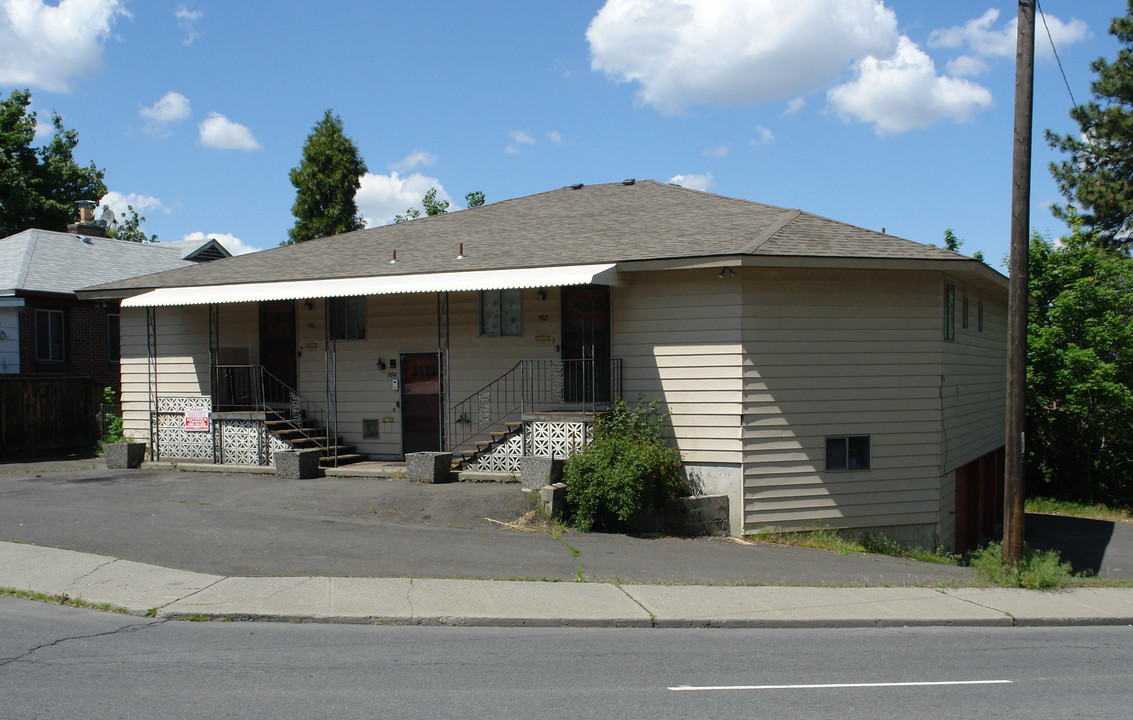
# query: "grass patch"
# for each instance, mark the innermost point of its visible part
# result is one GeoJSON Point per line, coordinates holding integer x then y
{"type": "Point", "coordinates": [63, 599]}
{"type": "Point", "coordinates": [848, 543]}
{"type": "Point", "coordinates": [1050, 506]}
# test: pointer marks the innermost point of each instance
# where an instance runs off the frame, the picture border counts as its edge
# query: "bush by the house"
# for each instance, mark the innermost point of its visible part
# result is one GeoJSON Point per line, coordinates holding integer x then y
{"type": "Point", "coordinates": [627, 469]}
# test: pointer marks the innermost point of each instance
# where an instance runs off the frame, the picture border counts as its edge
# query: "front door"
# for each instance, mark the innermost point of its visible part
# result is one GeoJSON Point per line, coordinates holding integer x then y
{"type": "Point", "coordinates": [586, 343]}
{"type": "Point", "coordinates": [278, 349]}
{"type": "Point", "coordinates": [420, 403]}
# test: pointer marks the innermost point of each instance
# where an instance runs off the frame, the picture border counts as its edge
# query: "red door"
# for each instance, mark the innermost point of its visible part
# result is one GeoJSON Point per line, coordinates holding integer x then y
{"type": "Point", "coordinates": [420, 403]}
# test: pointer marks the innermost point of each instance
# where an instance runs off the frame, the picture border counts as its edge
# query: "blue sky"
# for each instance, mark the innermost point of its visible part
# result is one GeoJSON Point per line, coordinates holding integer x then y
{"type": "Point", "coordinates": [894, 114]}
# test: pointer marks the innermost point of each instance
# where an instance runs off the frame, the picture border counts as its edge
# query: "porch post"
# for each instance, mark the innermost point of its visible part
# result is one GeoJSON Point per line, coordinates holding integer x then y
{"type": "Point", "coordinates": [214, 374]}
{"type": "Point", "coordinates": [442, 365]}
{"type": "Point", "coordinates": [331, 352]}
{"type": "Point", "coordinates": [151, 380]}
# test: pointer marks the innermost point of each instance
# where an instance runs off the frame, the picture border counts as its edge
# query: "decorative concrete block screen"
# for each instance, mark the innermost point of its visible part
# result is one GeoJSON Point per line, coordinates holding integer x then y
{"type": "Point", "coordinates": [232, 438]}
{"type": "Point", "coordinates": [174, 440]}
{"type": "Point", "coordinates": [541, 438]}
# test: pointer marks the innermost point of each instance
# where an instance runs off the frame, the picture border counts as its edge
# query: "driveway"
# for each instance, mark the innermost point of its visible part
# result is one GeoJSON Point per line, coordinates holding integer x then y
{"type": "Point", "coordinates": [232, 524]}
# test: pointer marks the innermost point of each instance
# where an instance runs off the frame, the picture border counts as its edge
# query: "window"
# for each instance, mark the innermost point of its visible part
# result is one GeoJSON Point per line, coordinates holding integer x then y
{"type": "Point", "coordinates": [980, 317]}
{"type": "Point", "coordinates": [949, 312]}
{"type": "Point", "coordinates": [501, 312]}
{"type": "Point", "coordinates": [347, 318]}
{"type": "Point", "coordinates": [847, 453]}
{"type": "Point", "coordinates": [964, 323]}
{"type": "Point", "coordinates": [49, 335]}
{"type": "Point", "coordinates": [113, 339]}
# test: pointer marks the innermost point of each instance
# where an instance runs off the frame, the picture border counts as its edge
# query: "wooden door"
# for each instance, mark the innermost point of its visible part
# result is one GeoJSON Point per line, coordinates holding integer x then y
{"type": "Point", "coordinates": [420, 403]}
{"type": "Point", "coordinates": [278, 349]}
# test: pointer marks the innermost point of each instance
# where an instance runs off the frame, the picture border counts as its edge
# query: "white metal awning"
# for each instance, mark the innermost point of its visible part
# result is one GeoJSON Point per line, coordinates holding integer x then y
{"type": "Point", "coordinates": [379, 285]}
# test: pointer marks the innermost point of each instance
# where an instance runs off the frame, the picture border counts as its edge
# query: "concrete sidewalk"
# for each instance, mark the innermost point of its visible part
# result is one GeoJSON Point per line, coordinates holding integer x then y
{"type": "Point", "coordinates": [141, 588]}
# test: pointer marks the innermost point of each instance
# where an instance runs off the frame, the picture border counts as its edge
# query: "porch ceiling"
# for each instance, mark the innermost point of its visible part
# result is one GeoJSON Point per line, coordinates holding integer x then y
{"type": "Point", "coordinates": [380, 285]}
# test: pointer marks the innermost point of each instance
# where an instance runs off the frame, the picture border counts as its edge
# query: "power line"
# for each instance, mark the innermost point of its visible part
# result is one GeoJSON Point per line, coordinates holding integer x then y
{"type": "Point", "coordinates": [1056, 58]}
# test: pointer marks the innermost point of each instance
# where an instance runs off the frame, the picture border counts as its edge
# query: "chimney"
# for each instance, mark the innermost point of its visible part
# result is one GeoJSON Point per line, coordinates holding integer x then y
{"type": "Point", "coordinates": [86, 224]}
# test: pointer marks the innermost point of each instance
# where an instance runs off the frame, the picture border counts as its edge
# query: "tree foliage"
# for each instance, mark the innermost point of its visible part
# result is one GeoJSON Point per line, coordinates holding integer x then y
{"type": "Point", "coordinates": [130, 227]}
{"type": "Point", "coordinates": [39, 186]}
{"type": "Point", "coordinates": [1096, 178]}
{"type": "Point", "coordinates": [326, 182]}
{"type": "Point", "coordinates": [438, 207]}
{"type": "Point", "coordinates": [1080, 370]}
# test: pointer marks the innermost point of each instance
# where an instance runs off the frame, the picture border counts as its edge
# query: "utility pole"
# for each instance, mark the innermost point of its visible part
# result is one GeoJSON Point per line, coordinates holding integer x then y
{"type": "Point", "coordinates": [1013, 490]}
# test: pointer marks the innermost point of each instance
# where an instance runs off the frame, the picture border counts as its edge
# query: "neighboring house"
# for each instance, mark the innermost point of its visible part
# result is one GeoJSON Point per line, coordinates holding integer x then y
{"type": "Point", "coordinates": [816, 372]}
{"type": "Point", "coordinates": [44, 327]}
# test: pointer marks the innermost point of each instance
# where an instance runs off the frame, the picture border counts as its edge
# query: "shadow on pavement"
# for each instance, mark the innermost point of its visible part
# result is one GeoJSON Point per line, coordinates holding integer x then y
{"type": "Point", "coordinates": [1080, 541]}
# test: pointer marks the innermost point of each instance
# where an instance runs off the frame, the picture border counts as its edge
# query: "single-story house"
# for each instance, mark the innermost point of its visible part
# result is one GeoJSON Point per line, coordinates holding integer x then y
{"type": "Point", "coordinates": [817, 373]}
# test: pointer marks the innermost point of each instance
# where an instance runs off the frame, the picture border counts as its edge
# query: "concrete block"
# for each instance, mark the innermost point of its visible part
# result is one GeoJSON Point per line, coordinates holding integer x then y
{"type": "Point", "coordinates": [296, 464]}
{"type": "Point", "coordinates": [552, 499]}
{"type": "Point", "coordinates": [429, 467]}
{"type": "Point", "coordinates": [537, 471]}
{"type": "Point", "coordinates": [120, 456]}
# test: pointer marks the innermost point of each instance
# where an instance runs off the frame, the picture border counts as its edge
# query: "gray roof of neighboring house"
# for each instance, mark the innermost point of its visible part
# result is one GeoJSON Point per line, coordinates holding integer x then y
{"type": "Point", "coordinates": [612, 222]}
{"type": "Point", "coordinates": [56, 262]}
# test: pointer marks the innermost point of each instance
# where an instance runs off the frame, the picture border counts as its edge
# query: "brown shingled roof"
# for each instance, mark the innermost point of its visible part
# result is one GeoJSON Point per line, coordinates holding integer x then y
{"type": "Point", "coordinates": [613, 222]}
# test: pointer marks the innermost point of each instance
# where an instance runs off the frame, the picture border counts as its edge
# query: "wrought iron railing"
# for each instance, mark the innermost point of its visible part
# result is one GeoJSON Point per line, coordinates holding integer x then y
{"type": "Point", "coordinates": [252, 388]}
{"type": "Point", "coordinates": [532, 386]}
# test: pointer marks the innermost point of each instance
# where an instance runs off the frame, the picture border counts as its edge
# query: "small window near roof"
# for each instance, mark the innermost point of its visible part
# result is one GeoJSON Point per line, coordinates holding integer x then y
{"type": "Point", "coordinates": [849, 452]}
{"type": "Point", "coordinates": [501, 312]}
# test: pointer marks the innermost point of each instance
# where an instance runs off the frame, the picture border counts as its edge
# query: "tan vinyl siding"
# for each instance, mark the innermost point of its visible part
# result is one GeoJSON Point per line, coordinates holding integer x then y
{"type": "Point", "coordinates": [678, 335]}
{"type": "Point", "coordinates": [975, 379]}
{"type": "Point", "coordinates": [831, 353]}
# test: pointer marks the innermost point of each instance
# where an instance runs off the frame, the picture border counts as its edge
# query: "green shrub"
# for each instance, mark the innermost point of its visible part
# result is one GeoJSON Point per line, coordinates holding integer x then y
{"type": "Point", "coordinates": [1036, 571]}
{"type": "Point", "coordinates": [627, 469]}
{"type": "Point", "coordinates": [112, 423]}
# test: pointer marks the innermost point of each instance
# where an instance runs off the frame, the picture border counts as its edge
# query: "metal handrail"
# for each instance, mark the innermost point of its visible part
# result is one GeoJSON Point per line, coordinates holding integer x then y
{"type": "Point", "coordinates": [254, 388]}
{"type": "Point", "coordinates": [533, 386]}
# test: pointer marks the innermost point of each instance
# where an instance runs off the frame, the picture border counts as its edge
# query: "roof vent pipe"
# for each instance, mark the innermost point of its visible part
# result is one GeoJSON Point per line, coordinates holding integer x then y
{"type": "Point", "coordinates": [460, 252]}
{"type": "Point", "coordinates": [394, 260]}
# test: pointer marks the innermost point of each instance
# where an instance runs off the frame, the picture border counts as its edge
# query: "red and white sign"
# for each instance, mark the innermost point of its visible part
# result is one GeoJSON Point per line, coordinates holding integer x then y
{"type": "Point", "coordinates": [197, 419]}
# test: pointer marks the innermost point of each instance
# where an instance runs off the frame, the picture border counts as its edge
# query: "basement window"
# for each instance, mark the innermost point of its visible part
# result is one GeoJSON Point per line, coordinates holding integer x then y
{"type": "Point", "coordinates": [850, 452]}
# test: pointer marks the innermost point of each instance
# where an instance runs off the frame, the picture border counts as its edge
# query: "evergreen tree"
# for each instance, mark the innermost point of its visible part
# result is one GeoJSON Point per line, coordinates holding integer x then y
{"type": "Point", "coordinates": [326, 182]}
{"type": "Point", "coordinates": [39, 186]}
{"type": "Point", "coordinates": [1096, 179]}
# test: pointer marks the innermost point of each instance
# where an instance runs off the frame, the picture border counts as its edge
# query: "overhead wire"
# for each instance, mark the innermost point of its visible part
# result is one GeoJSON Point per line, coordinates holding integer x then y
{"type": "Point", "coordinates": [1057, 59]}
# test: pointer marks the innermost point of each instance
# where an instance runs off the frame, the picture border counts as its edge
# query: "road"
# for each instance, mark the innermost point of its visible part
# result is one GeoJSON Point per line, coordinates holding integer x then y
{"type": "Point", "coordinates": [66, 662]}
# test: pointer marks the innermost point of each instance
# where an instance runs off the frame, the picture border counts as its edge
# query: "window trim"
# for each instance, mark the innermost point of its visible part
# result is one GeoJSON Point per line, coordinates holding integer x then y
{"type": "Point", "coordinates": [949, 311]}
{"type": "Point", "coordinates": [980, 316]}
{"type": "Point", "coordinates": [62, 329]}
{"type": "Point", "coordinates": [964, 323]}
{"type": "Point", "coordinates": [848, 443]}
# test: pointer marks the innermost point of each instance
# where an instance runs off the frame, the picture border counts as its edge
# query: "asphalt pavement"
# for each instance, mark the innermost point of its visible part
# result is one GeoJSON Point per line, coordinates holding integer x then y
{"type": "Point", "coordinates": [177, 543]}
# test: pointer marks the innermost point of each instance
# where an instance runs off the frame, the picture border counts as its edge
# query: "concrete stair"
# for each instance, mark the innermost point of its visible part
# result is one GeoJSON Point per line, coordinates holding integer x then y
{"type": "Point", "coordinates": [304, 434]}
{"type": "Point", "coordinates": [483, 447]}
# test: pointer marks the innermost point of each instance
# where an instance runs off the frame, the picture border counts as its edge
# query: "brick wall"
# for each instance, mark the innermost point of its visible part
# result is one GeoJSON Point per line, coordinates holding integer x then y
{"type": "Point", "coordinates": [85, 336]}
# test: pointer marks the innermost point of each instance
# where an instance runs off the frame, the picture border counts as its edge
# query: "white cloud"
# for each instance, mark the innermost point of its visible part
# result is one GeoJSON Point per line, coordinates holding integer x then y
{"type": "Point", "coordinates": [44, 131]}
{"type": "Point", "coordinates": [187, 21]}
{"type": "Point", "coordinates": [763, 136]}
{"type": "Point", "coordinates": [904, 92]}
{"type": "Point", "coordinates": [414, 160]}
{"type": "Point", "coordinates": [518, 137]}
{"type": "Point", "coordinates": [231, 243]}
{"type": "Point", "coordinates": [381, 197]}
{"type": "Point", "coordinates": [982, 38]}
{"type": "Point", "coordinates": [172, 107]}
{"type": "Point", "coordinates": [219, 132]}
{"type": "Point", "coordinates": [732, 52]}
{"type": "Point", "coordinates": [693, 182]}
{"type": "Point", "coordinates": [118, 202]}
{"type": "Point", "coordinates": [966, 66]}
{"type": "Point", "coordinates": [48, 46]}
{"type": "Point", "coordinates": [555, 137]}
{"type": "Point", "coordinates": [717, 151]}
{"type": "Point", "coordinates": [793, 106]}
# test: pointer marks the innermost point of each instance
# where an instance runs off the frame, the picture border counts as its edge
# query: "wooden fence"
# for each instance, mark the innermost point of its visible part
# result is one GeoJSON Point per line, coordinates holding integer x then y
{"type": "Point", "coordinates": [44, 415]}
